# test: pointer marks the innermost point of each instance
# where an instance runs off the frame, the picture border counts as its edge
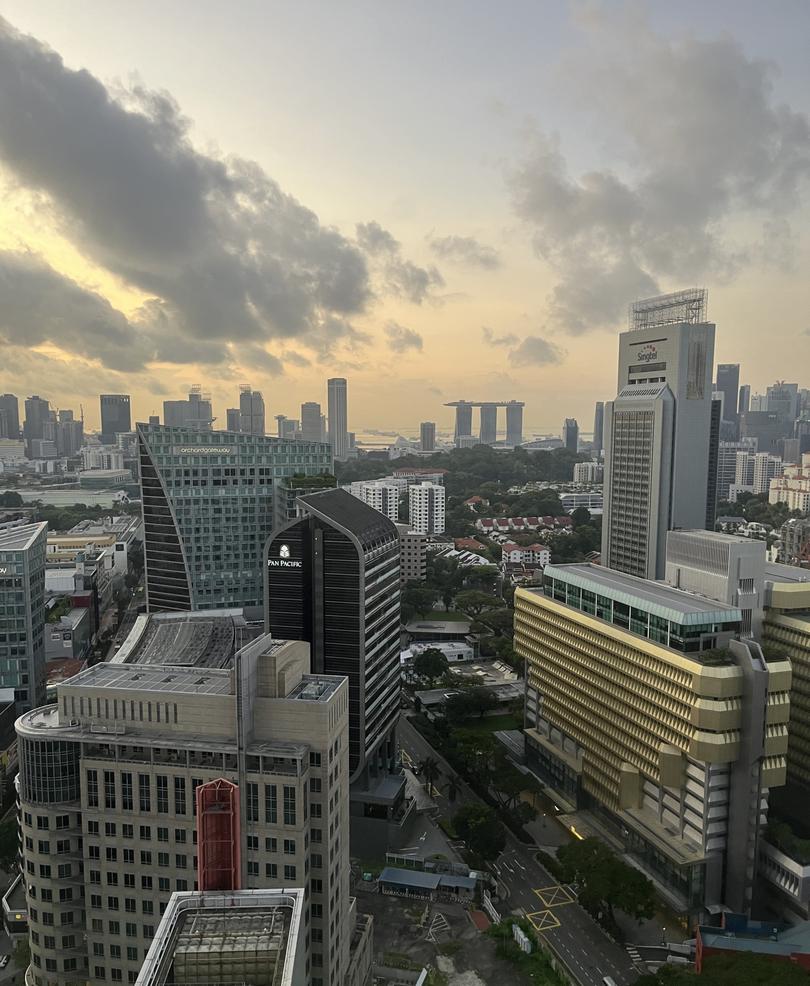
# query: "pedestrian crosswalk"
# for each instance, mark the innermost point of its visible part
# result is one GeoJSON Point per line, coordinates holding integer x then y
{"type": "Point", "coordinates": [634, 954]}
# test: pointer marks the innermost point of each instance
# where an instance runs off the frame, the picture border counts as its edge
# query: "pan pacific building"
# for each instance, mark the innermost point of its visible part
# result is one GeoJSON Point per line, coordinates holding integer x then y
{"type": "Point", "coordinates": [210, 500]}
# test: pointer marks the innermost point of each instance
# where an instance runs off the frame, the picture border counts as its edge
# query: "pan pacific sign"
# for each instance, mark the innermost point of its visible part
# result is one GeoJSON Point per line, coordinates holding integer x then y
{"type": "Point", "coordinates": [283, 560]}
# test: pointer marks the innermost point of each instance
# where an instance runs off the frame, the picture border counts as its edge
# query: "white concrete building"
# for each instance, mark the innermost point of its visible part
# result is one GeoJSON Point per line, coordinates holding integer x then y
{"type": "Point", "coordinates": [379, 495]}
{"type": "Point", "coordinates": [534, 554]}
{"type": "Point", "coordinates": [101, 457]}
{"type": "Point", "coordinates": [426, 508]}
{"type": "Point", "coordinates": [793, 488]}
{"type": "Point", "coordinates": [588, 472]}
{"type": "Point", "coordinates": [756, 470]}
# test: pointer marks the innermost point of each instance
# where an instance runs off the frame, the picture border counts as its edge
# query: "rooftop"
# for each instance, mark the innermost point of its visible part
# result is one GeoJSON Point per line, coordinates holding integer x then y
{"type": "Point", "coordinates": [786, 573]}
{"type": "Point", "coordinates": [247, 936]}
{"type": "Point", "coordinates": [207, 639]}
{"type": "Point", "coordinates": [314, 688]}
{"type": "Point", "coordinates": [657, 598]}
{"type": "Point", "coordinates": [22, 537]}
{"type": "Point", "coordinates": [189, 681]}
{"type": "Point", "coordinates": [764, 938]}
{"type": "Point", "coordinates": [350, 513]}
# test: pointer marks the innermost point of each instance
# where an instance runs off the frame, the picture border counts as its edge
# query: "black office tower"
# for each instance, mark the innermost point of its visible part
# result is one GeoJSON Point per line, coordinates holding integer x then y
{"type": "Point", "coordinates": [116, 418]}
{"type": "Point", "coordinates": [332, 579]}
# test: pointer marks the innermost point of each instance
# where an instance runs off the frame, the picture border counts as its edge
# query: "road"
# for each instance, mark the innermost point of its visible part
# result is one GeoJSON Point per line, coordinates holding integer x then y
{"type": "Point", "coordinates": [553, 910]}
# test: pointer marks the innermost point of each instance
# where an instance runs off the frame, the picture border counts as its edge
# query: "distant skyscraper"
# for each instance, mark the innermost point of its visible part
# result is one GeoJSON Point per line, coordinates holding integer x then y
{"type": "Point", "coordinates": [514, 423]}
{"type": "Point", "coordinates": [22, 601]}
{"type": "Point", "coordinates": [728, 382]}
{"type": "Point", "coordinates": [783, 399]}
{"type": "Point", "coordinates": [286, 428]}
{"type": "Point", "coordinates": [382, 496]}
{"type": "Point", "coordinates": [208, 499]}
{"type": "Point", "coordinates": [115, 416]}
{"type": "Point", "coordinates": [37, 416]}
{"type": "Point", "coordinates": [337, 405]}
{"type": "Point", "coordinates": [463, 421]}
{"type": "Point", "coordinates": [233, 419]}
{"type": "Point", "coordinates": [598, 426]}
{"type": "Point", "coordinates": [311, 422]}
{"type": "Point", "coordinates": [570, 434]}
{"type": "Point", "coordinates": [658, 432]}
{"type": "Point", "coordinates": [427, 436]}
{"type": "Point", "coordinates": [10, 407]}
{"type": "Point", "coordinates": [488, 433]}
{"type": "Point", "coordinates": [714, 460]}
{"type": "Point", "coordinates": [745, 398]}
{"type": "Point", "coordinates": [69, 435]}
{"type": "Point", "coordinates": [192, 413]}
{"type": "Point", "coordinates": [333, 579]}
{"type": "Point", "coordinates": [251, 411]}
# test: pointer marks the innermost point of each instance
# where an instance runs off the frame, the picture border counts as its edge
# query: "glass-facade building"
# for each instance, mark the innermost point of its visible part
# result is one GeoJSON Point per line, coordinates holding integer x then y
{"type": "Point", "coordinates": [22, 612]}
{"type": "Point", "coordinates": [208, 508]}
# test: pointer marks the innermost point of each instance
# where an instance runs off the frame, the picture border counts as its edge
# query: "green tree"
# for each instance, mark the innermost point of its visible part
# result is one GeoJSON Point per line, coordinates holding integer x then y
{"type": "Point", "coordinates": [8, 842]}
{"type": "Point", "coordinates": [606, 881]}
{"type": "Point", "coordinates": [430, 664]}
{"type": "Point", "coordinates": [475, 701]}
{"type": "Point", "coordinates": [429, 769]}
{"type": "Point", "coordinates": [419, 598]}
{"type": "Point", "coordinates": [473, 602]}
{"type": "Point", "coordinates": [11, 499]}
{"type": "Point", "coordinates": [479, 827]}
{"type": "Point", "coordinates": [581, 516]}
{"type": "Point", "coordinates": [452, 788]}
{"type": "Point", "coordinates": [22, 953]}
{"type": "Point", "coordinates": [734, 969]}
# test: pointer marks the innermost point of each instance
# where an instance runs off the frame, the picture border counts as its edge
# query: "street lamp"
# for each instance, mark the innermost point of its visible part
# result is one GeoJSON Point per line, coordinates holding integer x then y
{"type": "Point", "coordinates": [663, 936]}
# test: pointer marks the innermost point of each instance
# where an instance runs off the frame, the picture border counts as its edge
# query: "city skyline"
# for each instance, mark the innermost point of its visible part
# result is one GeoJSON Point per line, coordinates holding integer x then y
{"type": "Point", "coordinates": [435, 249]}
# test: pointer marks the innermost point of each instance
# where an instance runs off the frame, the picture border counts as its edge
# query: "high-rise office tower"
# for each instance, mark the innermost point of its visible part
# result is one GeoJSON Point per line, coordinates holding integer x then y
{"type": "Point", "coordinates": [22, 601]}
{"type": "Point", "coordinates": [213, 774]}
{"type": "Point", "coordinates": [784, 400]}
{"type": "Point", "coordinates": [570, 434]}
{"type": "Point", "coordinates": [514, 423]}
{"type": "Point", "coordinates": [727, 467]}
{"type": "Point", "coordinates": [745, 398]}
{"type": "Point", "coordinates": [598, 427]}
{"type": "Point", "coordinates": [69, 434]}
{"type": "Point", "coordinates": [233, 419]}
{"type": "Point", "coordinates": [716, 423]}
{"type": "Point", "coordinates": [488, 431]}
{"type": "Point", "coordinates": [337, 406]}
{"type": "Point", "coordinates": [207, 510]}
{"type": "Point", "coordinates": [728, 383]}
{"type": "Point", "coordinates": [625, 711]}
{"type": "Point", "coordinates": [333, 579]}
{"type": "Point", "coordinates": [426, 508]}
{"type": "Point", "coordinates": [10, 407]}
{"type": "Point", "coordinates": [37, 417]}
{"type": "Point", "coordinates": [115, 416]}
{"type": "Point", "coordinates": [427, 436]}
{"type": "Point", "coordinates": [287, 428]}
{"type": "Point", "coordinates": [311, 422]}
{"type": "Point", "coordinates": [658, 432]}
{"type": "Point", "coordinates": [195, 412]}
{"type": "Point", "coordinates": [251, 411]}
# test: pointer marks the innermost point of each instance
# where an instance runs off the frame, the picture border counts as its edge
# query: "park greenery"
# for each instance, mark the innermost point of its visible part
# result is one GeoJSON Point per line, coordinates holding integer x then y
{"type": "Point", "coordinates": [536, 965]}
{"type": "Point", "coordinates": [478, 825]}
{"type": "Point", "coordinates": [738, 969]}
{"type": "Point", "coordinates": [756, 509]}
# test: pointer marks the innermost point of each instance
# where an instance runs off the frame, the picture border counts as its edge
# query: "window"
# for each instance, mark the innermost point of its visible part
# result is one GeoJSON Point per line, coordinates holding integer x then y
{"type": "Point", "coordinates": [316, 810]}
{"type": "Point", "coordinates": [63, 821]}
{"type": "Point", "coordinates": [162, 834]}
{"type": "Point", "coordinates": [65, 894]}
{"type": "Point", "coordinates": [109, 829]}
{"type": "Point", "coordinates": [289, 872]}
{"type": "Point", "coordinates": [163, 859]}
{"type": "Point", "coordinates": [164, 884]}
{"type": "Point", "coordinates": [44, 870]}
{"type": "Point", "coordinates": [94, 852]}
{"type": "Point", "coordinates": [144, 794]}
{"type": "Point", "coordinates": [179, 835]}
{"type": "Point", "coordinates": [289, 805]}
{"type": "Point", "coordinates": [181, 885]}
{"type": "Point", "coordinates": [289, 847]}
{"type": "Point", "coordinates": [112, 854]}
{"type": "Point", "coordinates": [179, 795]}
{"type": "Point", "coordinates": [252, 868]}
{"type": "Point", "coordinates": [98, 949]}
{"type": "Point", "coordinates": [95, 901]}
{"type": "Point", "coordinates": [148, 906]}
{"type": "Point", "coordinates": [126, 791]}
{"type": "Point", "coordinates": [146, 833]}
{"type": "Point", "coordinates": [129, 905]}
{"type": "Point", "coordinates": [314, 759]}
{"type": "Point", "coordinates": [129, 855]}
{"type": "Point", "coordinates": [100, 972]}
{"type": "Point", "coordinates": [128, 831]}
{"type": "Point", "coordinates": [112, 879]}
{"type": "Point", "coordinates": [271, 870]}
{"type": "Point", "coordinates": [129, 880]}
{"type": "Point", "coordinates": [162, 794]}
{"type": "Point", "coordinates": [252, 802]}
{"type": "Point", "coordinates": [112, 903]}
{"type": "Point", "coordinates": [115, 927]}
{"type": "Point", "coordinates": [148, 931]}
{"type": "Point", "coordinates": [146, 883]}
{"type": "Point", "coordinates": [317, 860]}
{"type": "Point", "coordinates": [270, 804]}
{"type": "Point", "coordinates": [131, 931]}
{"type": "Point", "coordinates": [317, 835]}
{"type": "Point", "coordinates": [181, 861]}
{"type": "Point", "coordinates": [271, 845]}
{"type": "Point", "coordinates": [64, 870]}
{"type": "Point", "coordinates": [132, 953]}
{"type": "Point", "coordinates": [43, 846]}
{"type": "Point", "coordinates": [109, 789]}
{"type": "Point", "coordinates": [146, 857]}
{"type": "Point", "coordinates": [92, 789]}
{"type": "Point", "coordinates": [116, 974]}
{"type": "Point", "coordinates": [315, 785]}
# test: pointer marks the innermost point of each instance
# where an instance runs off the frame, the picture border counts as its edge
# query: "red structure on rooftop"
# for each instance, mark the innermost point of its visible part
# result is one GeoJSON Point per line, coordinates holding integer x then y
{"type": "Point", "coordinates": [218, 836]}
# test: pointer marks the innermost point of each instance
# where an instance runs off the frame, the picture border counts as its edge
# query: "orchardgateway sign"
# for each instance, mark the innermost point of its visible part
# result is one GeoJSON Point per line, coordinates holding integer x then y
{"type": "Point", "coordinates": [204, 450]}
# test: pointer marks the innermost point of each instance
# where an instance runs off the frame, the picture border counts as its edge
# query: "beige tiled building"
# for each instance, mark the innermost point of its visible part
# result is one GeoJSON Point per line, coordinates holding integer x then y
{"type": "Point", "coordinates": [108, 778]}
{"type": "Point", "coordinates": [644, 709]}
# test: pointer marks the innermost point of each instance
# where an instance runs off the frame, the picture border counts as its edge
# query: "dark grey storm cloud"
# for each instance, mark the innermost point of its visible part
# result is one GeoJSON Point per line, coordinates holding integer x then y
{"type": "Point", "coordinates": [536, 351]}
{"type": "Point", "coordinates": [465, 250]}
{"type": "Point", "coordinates": [399, 275]}
{"type": "Point", "coordinates": [489, 337]}
{"type": "Point", "coordinates": [401, 339]}
{"type": "Point", "coordinates": [707, 158]}
{"type": "Point", "coordinates": [228, 254]}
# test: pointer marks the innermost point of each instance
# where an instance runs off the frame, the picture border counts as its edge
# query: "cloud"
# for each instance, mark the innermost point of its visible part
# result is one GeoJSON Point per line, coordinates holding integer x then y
{"type": "Point", "coordinates": [536, 351]}
{"type": "Point", "coordinates": [400, 339]}
{"type": "Point", "coordinates": [492, 340]}
{"type": "Point", "coordinates": [296, 359]}
{"type": "Point", "coordinates": [465, 250]}
{"type": "Point", "coordinates": [227, 254]}
{"type": "Point", "coordinates": [703, 154]}
{"type": "Point", "coordinates": [400, 277]}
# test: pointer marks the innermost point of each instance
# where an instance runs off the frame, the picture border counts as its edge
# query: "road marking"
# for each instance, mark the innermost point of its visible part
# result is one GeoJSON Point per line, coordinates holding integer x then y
{"type": "Point", "coordinates": [634, 954]}
{"type": "Point", "coordinates": [555, 896]}
{"type": "Point", "coordinates": [543, 920]}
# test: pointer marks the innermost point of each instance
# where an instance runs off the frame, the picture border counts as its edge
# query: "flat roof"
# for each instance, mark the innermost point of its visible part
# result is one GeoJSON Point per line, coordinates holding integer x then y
{"type": "Point", "coordinates": [210, 681]}
{"type": "Point", "coordinates": [786, 573]}
{"type": "Point", "coordinates": [657, 598]}
{"type": "Point", "coordinates": [425, 881]}
{"type": "Point", "coordinates": [448, 626]}
{"type": "Point", "coordinates": [22, 537]}
{"type": "Point", "coordinates": [206, 639]}
{"type": "Point", "coordinates": [315, 688]}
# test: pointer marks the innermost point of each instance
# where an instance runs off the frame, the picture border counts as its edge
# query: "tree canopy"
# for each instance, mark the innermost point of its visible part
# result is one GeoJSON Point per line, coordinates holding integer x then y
{"type": "Point", "coordinates": [479, 827]}
{"type": "Point", "coordinates": [738, 969]}
{"type": "Point", "coordinates": [430, 664]}
{"type": "Point", "coordinates": [605, 881]}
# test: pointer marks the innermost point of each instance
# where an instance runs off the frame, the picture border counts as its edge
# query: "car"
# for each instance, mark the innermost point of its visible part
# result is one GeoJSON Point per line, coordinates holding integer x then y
{"type": "Point", "coordinates": [4, 961]}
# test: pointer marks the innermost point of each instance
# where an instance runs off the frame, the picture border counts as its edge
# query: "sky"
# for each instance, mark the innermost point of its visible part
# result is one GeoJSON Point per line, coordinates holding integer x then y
{"type": "Point", "coordinates": [436, 201]}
